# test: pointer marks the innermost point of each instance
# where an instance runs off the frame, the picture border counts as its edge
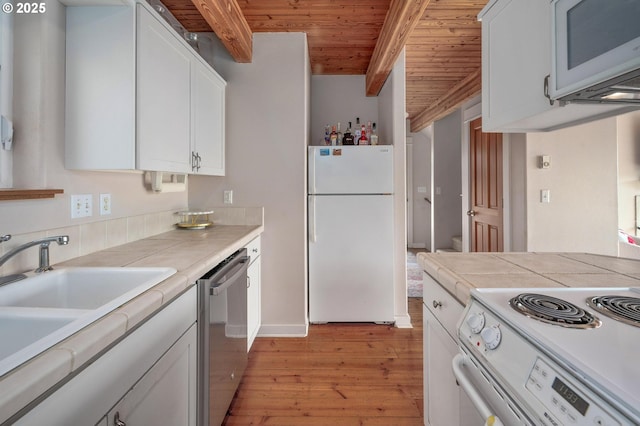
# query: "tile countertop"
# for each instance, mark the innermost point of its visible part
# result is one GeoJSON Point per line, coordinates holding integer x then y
{"type": "Point", "coordinates": [458, 273]}
{"type": "Point", "coordinates": [191, 252]}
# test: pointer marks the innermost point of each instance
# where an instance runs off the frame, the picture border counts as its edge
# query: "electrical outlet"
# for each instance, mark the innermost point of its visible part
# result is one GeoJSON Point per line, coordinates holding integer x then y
{"type": "Point", "coordinates": [228, 197]}
{"type": "Point", "coordinates": [105, 204]}
{"type": "Point", "coordinates": [81, 206]}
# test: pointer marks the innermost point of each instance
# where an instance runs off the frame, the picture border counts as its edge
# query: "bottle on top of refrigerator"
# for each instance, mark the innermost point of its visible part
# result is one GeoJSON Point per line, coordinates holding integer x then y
{"type": "Point", "coordinates": [327, 131]}
{"type": "Point", "coordinates": [358, 131]}
{"type": "Point", "coordinates": [374, 135]}
{"type": "Point", "coordinates": [347, 139]}
{"type": "Point", "coordinates": [363, 136]}
{"type": "Point", "coordinates": [339, 141]}
{"type": "Point", "coordinates": [333, 136]}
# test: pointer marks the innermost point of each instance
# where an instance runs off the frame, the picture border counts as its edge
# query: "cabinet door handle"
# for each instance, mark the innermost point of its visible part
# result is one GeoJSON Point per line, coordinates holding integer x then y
{"type": "Point", "coordinates": [117, 421]}
{"type": "Point", "coordinates": [248, 282]}
{"type": "Point", "coordinates": [199, 161]}
{"type": "Point", "coordinates": [437, 304]}
{"type": "Point", "coordinates": [193, 161]}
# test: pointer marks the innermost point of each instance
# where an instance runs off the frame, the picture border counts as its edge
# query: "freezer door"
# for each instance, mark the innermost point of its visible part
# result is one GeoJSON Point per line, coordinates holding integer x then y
{"type": "Point", "coordinates": [351, 169]}
{"type": "Point", "coordinates": [351, 258]}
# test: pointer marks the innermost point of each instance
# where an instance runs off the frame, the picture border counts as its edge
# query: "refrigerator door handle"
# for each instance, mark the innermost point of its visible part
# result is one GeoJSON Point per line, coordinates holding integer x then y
{"type": "Point", "coordinates": [312, 219]}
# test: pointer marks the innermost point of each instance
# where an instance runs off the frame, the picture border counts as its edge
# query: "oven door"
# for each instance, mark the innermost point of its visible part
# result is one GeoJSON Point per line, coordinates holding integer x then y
{"type": "Point", "coordinates": [487, 396]}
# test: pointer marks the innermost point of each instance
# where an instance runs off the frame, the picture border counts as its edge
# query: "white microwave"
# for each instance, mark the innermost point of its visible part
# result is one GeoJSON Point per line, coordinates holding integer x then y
{"type": "Point", "coordinates": [595, 51]}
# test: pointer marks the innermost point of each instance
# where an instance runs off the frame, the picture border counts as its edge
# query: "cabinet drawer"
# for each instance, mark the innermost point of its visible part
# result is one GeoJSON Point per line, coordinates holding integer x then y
{"type": "Point", "coordinates": [253, 249]}
{"type": "Point", "coordinates": [442, 304]}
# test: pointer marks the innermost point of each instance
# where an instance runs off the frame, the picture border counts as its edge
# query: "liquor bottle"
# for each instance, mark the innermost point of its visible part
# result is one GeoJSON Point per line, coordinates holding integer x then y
{"type": "Point", "coordinates": [363, 136]}
{"type": "Point", "coordinates": [374, 135]}
{"type": "Point", "coordinates": [348, 137]}
{"type": "Point", "coordinates": [358, 131]}
{"type": "Point", "coordinates": [369, 128]}
{"type": "Point", "coordinates": [333, 136]}
{"type": "Point", "coordinates": [326, 135]}
{"type": "Point", "coordinates": [339, 141]}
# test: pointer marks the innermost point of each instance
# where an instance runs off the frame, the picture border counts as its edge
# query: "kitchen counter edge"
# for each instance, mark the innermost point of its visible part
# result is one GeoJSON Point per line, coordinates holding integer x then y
{"type": "Point", "coordinates": [191, 252]}
{"type": "Point", "coordinates": [453, 272]}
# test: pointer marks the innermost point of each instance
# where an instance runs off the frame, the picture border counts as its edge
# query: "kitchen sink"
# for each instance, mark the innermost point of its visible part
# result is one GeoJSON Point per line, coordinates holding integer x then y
{"type": "Point", "coordinates": [82, 288]}
{"type": "Point", "coordinates": [44, 309]}
{"type": "Point", "coordinates": [21, 327]}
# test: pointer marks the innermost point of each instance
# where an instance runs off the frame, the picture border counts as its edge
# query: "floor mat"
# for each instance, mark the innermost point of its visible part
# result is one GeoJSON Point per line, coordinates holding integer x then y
{"type": "Point", "coordinates": [414, 276]}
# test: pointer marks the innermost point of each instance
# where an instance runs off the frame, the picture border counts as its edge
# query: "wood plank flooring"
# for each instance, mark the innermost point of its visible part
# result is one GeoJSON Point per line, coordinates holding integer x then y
{"type": "Point", "coordinates": [340, 374]}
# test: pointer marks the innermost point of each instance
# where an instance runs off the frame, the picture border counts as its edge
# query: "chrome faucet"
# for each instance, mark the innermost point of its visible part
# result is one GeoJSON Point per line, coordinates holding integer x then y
{"type": "Point", "coordinates": [44, 250]}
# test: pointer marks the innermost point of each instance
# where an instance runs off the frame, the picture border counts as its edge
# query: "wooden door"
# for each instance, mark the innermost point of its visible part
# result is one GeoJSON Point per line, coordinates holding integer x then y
{"type": "Point", "coordinates": [486, 189]}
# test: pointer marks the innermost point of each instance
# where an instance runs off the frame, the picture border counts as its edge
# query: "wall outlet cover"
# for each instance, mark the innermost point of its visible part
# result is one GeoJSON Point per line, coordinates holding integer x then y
{"type": "Point", "coordinates": [81, 206]}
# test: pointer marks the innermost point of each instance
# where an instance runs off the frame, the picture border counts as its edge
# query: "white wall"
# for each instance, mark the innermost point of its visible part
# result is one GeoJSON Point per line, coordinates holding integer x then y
{"type": "Point", "coordinates": [516, 186]}
{"type": "Point", "coordinates": [39, 70]}
{"type": "Point", "coordinates": [447, 180]}
{"type": "Point", "coordinates": [267, 134]}
{"type": "Point", "coordinates": [628, 170]}
{"type": "Point", "coordinates": [340, 99]}
{"type": "Point", "coordinates": [421, 177]}
{"type": "Point", "coordinates": [391, 104]}
{"type": "Point", "coordinates": [583, 213]}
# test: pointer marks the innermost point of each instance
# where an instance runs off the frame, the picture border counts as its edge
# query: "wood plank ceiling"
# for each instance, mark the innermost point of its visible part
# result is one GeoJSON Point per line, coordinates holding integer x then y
{"type": "Point", "coordinates": [442, 41]}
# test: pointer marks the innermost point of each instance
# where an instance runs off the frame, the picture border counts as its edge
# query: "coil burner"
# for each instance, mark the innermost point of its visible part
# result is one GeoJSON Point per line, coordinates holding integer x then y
{"type": "Point", "coordinates": [554, 311]}
{"type": "Point", "coordinates": [620, 308]}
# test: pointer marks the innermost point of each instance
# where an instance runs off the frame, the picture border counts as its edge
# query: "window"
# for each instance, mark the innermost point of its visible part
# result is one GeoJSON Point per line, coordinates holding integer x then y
{"type": "Point", "coordinates": [6, 100]}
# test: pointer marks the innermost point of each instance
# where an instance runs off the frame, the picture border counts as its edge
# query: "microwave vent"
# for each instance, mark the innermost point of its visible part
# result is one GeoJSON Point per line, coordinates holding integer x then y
{"type": "Point", "coordinates": [631, 84]}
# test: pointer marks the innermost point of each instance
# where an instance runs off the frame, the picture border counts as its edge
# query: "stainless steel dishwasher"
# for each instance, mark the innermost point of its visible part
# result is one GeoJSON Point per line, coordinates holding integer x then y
{"type": "Point", "coordinates": [222, 334]}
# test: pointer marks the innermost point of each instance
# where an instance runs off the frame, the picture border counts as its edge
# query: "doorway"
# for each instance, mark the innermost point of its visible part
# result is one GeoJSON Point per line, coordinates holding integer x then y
{"type": "Point", "coordinates": [486, 190]}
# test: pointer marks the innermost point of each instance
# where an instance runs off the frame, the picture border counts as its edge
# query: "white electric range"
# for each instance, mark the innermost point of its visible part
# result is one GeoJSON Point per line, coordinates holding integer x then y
{"type": "Point", "coordinates": [552, 356]}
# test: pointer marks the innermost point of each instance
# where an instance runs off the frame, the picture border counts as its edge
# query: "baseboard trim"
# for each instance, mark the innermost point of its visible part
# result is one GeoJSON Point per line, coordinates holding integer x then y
{"type": "Point", "coordinates": [283, 330]}
{"type": "Point", "coordinates": [403, 321]}
{"type": "Point", "coordinates": [417, 245]}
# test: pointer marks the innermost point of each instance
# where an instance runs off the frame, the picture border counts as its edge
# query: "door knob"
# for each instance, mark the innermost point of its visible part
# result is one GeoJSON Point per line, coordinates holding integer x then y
{"type": "Point", "coordinates": [471, 213]}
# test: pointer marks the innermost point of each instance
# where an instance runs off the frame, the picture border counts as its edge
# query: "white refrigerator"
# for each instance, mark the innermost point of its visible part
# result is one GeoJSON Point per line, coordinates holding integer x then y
{"type": "Point", "coordinates": [350, 223]}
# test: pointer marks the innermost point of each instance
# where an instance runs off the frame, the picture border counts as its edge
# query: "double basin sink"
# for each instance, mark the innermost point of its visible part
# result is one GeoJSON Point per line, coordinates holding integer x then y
{"type": "Point", "coordinates": [44, 309]}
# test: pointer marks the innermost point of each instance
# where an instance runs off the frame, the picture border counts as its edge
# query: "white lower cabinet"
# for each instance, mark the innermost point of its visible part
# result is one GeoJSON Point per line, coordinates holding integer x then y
{"type": "Point", "coordinates": [445, 403]}
{"type": "Point", "coordinates": [148, 378]}
{"type": "Point", "coordinates": [165, 394]}
{"type": "Point", "coordinates": [253, 291]}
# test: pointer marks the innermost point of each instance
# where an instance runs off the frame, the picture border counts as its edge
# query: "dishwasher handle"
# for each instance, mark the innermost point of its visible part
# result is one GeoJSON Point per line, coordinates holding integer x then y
{"type": "Point", "coordinates": [458, 365]}
{"type": "Point", "coordinates": [230, 277]}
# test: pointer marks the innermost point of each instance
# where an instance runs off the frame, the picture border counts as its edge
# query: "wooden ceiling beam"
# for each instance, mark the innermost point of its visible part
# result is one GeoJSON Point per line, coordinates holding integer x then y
{"type": "Point", "coordinates": [227, 21]}
{"type": "Point", "coordinates": [464, 90]}
{"type": "Point", "coordinates": [401, 19]}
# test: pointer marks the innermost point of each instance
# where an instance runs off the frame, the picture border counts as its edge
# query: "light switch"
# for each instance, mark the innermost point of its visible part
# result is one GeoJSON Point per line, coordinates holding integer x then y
{"type": "Point", "coordinates": [545, 196]}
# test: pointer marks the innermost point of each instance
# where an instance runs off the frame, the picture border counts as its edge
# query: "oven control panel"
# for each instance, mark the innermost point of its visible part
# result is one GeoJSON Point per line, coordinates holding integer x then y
{"type": "Point", "coordinates": [567, 403]}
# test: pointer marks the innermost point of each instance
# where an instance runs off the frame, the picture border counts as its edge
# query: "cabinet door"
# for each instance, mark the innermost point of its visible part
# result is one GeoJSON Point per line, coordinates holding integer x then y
{"type": "Point", "coordinates": [445, 403]}
{"type": "Point", "coordinates": [514, 61]}
{"type": "Point", "coordinates": [163, 97]}
{"type": "Point", "coordinates": [208, 101]}
{"type": "Point", "coordinates": [166, 394]}
{"type": "Point", "coordinates": [441, 394]}
{"type": "Point", "coordinates": [253, 301]}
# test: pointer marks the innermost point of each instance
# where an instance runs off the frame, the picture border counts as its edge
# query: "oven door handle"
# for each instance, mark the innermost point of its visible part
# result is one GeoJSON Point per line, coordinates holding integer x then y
{"type": "Point", "coordinates": [458, 365]}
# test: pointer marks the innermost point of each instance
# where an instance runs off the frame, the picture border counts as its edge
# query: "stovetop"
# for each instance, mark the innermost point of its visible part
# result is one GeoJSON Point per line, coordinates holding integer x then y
{"type": "Point", "coordinates": [604, 353]}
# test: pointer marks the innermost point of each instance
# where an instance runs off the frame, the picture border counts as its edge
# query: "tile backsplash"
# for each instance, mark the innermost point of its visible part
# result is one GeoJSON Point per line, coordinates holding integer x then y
{"type": "Point", "coordinates": [90, 237]}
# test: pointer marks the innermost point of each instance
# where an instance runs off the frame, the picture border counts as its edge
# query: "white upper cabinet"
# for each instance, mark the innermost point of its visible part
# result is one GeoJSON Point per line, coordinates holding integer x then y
{"type": "Point", "coordinates": [516, 58]}
{"type": "Point", "coordinates": [163, 97]}
{"type": "Point", "coordinates": [138, 97]}
{"type": "Point", "coordinates": [207, 137]}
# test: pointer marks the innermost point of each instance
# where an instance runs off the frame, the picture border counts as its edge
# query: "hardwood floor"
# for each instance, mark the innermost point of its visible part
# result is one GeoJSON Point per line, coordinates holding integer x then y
{"type": "Point", "coordinates": [340, 374]}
